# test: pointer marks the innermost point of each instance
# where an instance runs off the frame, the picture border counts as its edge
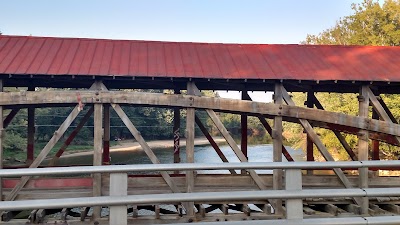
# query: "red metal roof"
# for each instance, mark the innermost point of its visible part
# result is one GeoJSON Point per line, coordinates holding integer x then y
{"type": "Point", "coordinates": [21, 55]}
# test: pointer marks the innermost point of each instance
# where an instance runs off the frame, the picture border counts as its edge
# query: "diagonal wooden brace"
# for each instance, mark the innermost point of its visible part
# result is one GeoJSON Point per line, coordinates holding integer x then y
{"type": "Point", "coordinates": [321, 147]}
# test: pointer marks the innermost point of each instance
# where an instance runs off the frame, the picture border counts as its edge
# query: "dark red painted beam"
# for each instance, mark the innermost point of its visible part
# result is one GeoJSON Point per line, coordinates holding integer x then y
{"type": "Point", "coordinates": [71, 137]}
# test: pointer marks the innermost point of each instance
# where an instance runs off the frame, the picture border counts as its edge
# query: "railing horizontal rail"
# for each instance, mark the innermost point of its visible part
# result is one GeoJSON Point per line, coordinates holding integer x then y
{"type": "Point", "coordinates": [195, 166]}
{"type": "Point", "coordinates": [380, 220]}
{"type": "Point", "coordinates": [196, 197]}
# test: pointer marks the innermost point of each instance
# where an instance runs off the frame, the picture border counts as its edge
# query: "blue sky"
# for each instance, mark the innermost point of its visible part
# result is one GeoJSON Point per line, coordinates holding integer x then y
{"type": "Point", "coordinates": [227, 21]}
{"type": "Point", "coordinates": [237, 21]}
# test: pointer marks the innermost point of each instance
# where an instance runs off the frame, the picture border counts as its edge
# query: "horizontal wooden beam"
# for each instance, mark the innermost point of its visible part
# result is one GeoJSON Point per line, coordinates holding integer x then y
{"type": "Point", "coordinates": [219, 104]}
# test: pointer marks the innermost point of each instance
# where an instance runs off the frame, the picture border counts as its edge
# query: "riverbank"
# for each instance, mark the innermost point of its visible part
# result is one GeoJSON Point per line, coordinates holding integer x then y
{"type": "Point", "coordinates": [131, 145]}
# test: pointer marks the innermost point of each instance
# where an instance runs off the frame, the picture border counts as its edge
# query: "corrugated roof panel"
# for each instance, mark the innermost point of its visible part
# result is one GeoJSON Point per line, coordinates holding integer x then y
{"type": "Point", "coordinates": [124, 61]}
{"type": "Point", "coordinates": [38, 60]}
{"type": "Point", "coordinates": [115, 61]}
{"type": "Point", "coordinates": [3, 42]}
{"type": "Point", "coordinates": [59, 58]}
{"type": "Point", "coordinates": [156, 59]}
{"type": "Point", "coordinates": [207, 60]}
{"type": "Point", "coordinates": [19, 58]}
{"type": "Point", "coordinates": [142, 64]}
{"type": "Point", "coordinates": [97, 57]}
{"type": "Point", "coordinates": [191, 63]}
{"type": "Point", "coordinates": [12, 51]}
{"type": "Point", "coordinates": [106, 59]}
{"type": "Point", "coordinates": [224, 60]}
{"type": "Point", "coordinates": [274, 56]}
{"type": "Point", "coordinates": [29, 57]}
{"type": "Point", "coordinates": [49, 58]}
{"type": "Point", "coordinates": [79, 57]}
{"type": "Point", "coordinates": [76, 56]}
{"type": "Point", "coordinates": [87, 59]}
{"type": "Point", "coordinates": [261, 66]}
{"type": "Point", "coordinates": [134, 58]}
{"type": "Point", "coordinates": [389, 58]}
{"type": "Point", "coordinates": [173, 60]}
{"type": "Point", "coordinates": [241, 62]}
{"type": "Point", "coordinates": [69, 57]}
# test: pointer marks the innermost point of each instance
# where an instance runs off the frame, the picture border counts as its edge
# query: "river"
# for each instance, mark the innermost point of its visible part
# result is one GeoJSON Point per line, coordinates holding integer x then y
{"type": "Point", "coordinates": [203, 154]}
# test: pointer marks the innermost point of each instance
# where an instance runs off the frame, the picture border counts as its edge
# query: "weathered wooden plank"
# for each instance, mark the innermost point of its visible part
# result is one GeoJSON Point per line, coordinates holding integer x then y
{"type": "Point", "coordinates": [157, 211]}
{"type": "Point", "coordinates": [339, 136]}
{"type": "Point", "coordinates": [224, 208]}
{"type": "Point", "coordinates": [84, 211]}
{"type": "Point", "coordinates": [267, 127]}
{"type": "Point", "coordinates": [212, 142]}
{"type": "Point", "coordinates": [277, 148]}
{"type": "Point", "coordinates": [146, 148]}
{"type": "Point", "coordinates": [391, 208]}
{"type": "Point", "coordinates": [40, 215]}
{"type": "Point", "coordinates": [231, 142]}
{"type": "Point", "coordinates": [246, 210]}
{"type": "Point", "coordinates": [321, 147]}
{"type": "Point", "coordinates": [363, 143]}
{"type": "Point", "coordinates": [387, 110]}
{"type": "Point", "coordinates": [219, 104]}
{"type": "Point", "coordinates": [64, 214]}
{"type": "Point", "coordinates": [97, 155]}
{"type": "Point", "coordinates": [32, 216]}
{"type": "Point", "coordinates": [202, 210]}
{"type": "Point", "coordinates": [377, 106]}
{"type": "Point", "coordinates": [234, 146]}
{"type": "Point", "coordinates": [9, 215]}
{"type": "Point", "coordinates": [71, 137]}
{"type": "Point", "coordinates": [42, 155]}
{"type": "Point", "coordinates": [10, 117]}
{"type": "Point", "coordinates": [190, 120]}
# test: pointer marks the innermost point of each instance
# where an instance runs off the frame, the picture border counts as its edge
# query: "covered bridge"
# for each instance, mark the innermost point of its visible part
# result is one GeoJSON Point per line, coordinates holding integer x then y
{"type": "Point", "coordinates": [93, 73]}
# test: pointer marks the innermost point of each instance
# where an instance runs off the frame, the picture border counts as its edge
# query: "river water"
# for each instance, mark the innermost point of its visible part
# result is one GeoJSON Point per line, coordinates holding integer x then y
{"type": "Point", "coordinates": [203, 154]}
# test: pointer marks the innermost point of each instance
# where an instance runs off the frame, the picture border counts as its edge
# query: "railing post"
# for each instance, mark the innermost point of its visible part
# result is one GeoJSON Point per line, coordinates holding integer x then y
{"type": "Point", "coordinates": [118, 187]}
{"type": "Point", "coordinates": [293, 182]}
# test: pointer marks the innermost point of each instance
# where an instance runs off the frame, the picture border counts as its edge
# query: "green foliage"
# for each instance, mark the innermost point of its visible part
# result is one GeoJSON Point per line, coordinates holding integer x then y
{"type": "Point", "coordinates": [370, 24]}
{"type": "Point", "coordinates": [14, 142]}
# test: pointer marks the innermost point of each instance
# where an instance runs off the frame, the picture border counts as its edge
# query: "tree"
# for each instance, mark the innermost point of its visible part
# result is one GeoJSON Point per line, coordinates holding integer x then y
{"type": "Point", "coordinates": [370, 24]}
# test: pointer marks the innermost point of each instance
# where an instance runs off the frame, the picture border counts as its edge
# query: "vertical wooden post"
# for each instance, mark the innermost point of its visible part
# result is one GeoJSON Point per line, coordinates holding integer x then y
{"type": "Point", "coordinates": [190, 114]}
{"type": "Point", "coordinates": [30, 148]}
{"type": "Point", "coordinates": [363, 137]}
{"type": "Point", "coordinates": [375, 143]}
{"type": "Point", "coordinates": [97, 155]}
{"type": "Point", "coordinates": [106, 141]}
{"type": "Point", "coordinates": [118, 187]}
{"type": "Point", "coordinates": [1, 142]}
{"type": "Point", "coordinates": [310, 144]}
{"type": "Point", "coordinates": [277, 145]}
{"type": "Point", "coordinates": [177, 126]}
{"type": "Point", "coordinates": [243, 129]}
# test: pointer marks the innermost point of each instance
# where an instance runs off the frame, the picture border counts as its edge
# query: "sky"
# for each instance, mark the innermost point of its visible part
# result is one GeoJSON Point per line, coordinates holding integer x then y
{"type": "Point", "coordinates": [223, 21]}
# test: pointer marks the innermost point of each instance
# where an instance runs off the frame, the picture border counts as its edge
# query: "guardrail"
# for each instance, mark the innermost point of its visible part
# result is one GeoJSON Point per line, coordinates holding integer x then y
{"type": "Point", "coordinates": [293, 192]}
{"type": "Point", "coordinates": [195, 166]}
